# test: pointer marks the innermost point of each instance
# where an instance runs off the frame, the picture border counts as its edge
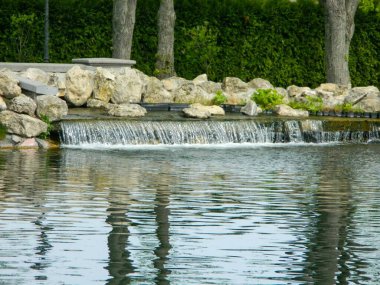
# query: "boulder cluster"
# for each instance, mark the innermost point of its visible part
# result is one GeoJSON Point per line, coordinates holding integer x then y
{"type": "Point", "coordinates": [122, 91]}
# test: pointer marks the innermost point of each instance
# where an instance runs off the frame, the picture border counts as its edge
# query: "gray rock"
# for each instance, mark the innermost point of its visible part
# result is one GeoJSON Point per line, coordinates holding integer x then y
{"type": "Point", "coordinates": [259, 83]}
{"type": "Point", "coordinates": [94, 103]}
{"type": "Point", "coordinates": [337, 90]}
{"type": "Point", "coordinates": [79, 85]}
{"type": "Point", "coordinates": [23, 105]}
{"type": "Point", "coordinates": [28, 143]}
{"type": "Point", "coordinates": [52, 107]}
{"type": "Point", "coordinates": [36, 75]}
{"type": "Point", "coordinates": [287, 111]}
{"type": "Point", "coordinates": [358, 94]}
{"type": "Point", "coordinates": [127, 110]}
{"type": "Point", "coordinates": [3, 105]}
{"type": "Point", "coordinates": [58, 80]}
{"type": "Point", "coordinates": [200, 79]}
{"type": "Point", "coordinates": [9, 87]}
{"type": "Point", "coordinates": [21, 124]}
{"type": "Point", "coordinates": [295, 91]}
{"type": "Point", "coordinates": [196, 113]}
{"type": "Point", "coordinates": [173, 83]}
{"type": "Point", "coordinates": [234, 85]}
{"type": "Point", "coordinates": [129, 87]}
{"type": "Point", "coordinates": [104, 84]}
{"type": "Point", "coordinates": [191, 93]}
{"type": "Point", "coordinates": [156, 92]}
{"type": "Point", "coordinates": [213, 110]}
{"type": "Point", "coordinates": [369, 104]}
{"type": "Point", "coordinates": [210, 86]}
{"type": "Point", "coordinates": [250, 108]}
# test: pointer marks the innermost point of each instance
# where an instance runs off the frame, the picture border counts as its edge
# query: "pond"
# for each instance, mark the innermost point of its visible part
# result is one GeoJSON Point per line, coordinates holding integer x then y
{"type": "Point", "coordinates": [250, 214]}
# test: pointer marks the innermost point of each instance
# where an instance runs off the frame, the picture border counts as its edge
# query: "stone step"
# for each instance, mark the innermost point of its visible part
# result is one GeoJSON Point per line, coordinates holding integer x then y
{"type": "Point", "coordinates": [36, 87]}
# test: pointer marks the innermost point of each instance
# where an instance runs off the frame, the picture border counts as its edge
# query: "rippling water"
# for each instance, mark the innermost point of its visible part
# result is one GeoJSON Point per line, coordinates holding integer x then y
{"type": "Point", "coordinates": [253, 215]}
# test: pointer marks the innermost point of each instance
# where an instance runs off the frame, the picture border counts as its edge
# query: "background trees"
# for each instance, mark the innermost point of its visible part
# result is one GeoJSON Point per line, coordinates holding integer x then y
{"type": "Point", "coordinates": [165, 50]}
{"type": "Point", "coordinates": [123, 23]}
{"type": "Point", "coordinates": [339, 30]}
{"type": "Point", "coordinates": [279, 40]}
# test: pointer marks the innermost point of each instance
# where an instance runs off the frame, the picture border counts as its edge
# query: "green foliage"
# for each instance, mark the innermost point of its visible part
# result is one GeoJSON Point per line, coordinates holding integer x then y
{"type": "Point", "coordinates": [3, 131]}
{"type": "Point", "coordinates": [311, 104]}
{"type": "Point", "coordinates": [267, 98]}
{"type": "Point", "coordinates": [199, 50]}
{"type": "Point", "coordinates": [279, 40]}
{"type": "Point", "coordinates": [347, 108]}
{"type": "Point", "coordinates": [46, 120]}
{"type": "Point", "coordinates": [219, 98]}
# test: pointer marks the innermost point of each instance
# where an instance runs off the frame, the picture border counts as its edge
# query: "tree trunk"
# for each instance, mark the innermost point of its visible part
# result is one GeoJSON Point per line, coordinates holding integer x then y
{"type": "Point", "coordinates": [165, 51]}
{"type": "Point", "coordinates": [339, 29]}
{"type": "Point", "coordinates": [123, 22]}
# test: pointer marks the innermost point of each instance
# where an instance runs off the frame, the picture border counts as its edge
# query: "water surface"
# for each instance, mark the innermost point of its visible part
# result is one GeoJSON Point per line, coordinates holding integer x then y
{"type": "Point", "coordinates": [284, 214]}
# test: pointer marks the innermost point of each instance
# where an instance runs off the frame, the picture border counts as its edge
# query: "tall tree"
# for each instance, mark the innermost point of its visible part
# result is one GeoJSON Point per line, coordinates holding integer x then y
{"type": "Point", "coordinates": [165, 50]}
{"type": "Point", "coordinates": [123, 23]}
{"type": "Point", "coordinates": [339, 29]}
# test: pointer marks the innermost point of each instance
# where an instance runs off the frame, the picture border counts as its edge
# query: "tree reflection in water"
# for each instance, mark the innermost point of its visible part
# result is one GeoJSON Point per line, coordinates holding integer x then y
{"type": "Point", "coordinates": [330, 257]}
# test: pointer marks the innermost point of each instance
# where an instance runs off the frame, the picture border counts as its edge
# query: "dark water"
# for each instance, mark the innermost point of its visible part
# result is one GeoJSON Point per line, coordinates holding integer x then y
{"type": "Point", "coordinates": [251, 215]}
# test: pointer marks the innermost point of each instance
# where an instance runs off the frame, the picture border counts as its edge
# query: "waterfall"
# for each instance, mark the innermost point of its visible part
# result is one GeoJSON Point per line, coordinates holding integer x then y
{"type": "Point", "coordinates": [118, 132]}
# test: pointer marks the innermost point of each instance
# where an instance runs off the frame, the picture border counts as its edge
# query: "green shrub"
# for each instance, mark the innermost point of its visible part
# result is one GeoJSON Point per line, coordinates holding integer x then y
{"type": "Point", "coordinates": [311, 104]}
{"type": "Point", "coordinates": [347, 107]}
{"type": "Point", "coordinates": [267, 98]}
{"type": "Point", "coordinates": [3, 131]}
{"type": "Point", "coordinates": [219, 98]}
{"type": "Point", "coordinates": [46, 120]}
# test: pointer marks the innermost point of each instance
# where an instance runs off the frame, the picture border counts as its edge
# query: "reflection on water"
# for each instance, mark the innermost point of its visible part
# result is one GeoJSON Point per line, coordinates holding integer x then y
{"type": "Point", "coordinates": [263, 215]}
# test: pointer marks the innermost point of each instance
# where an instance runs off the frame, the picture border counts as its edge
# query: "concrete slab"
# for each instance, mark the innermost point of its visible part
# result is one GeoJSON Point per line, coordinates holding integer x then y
{"type": "Point", "coordinates": [48, 67]}
{"type": "Point", "coordinates": [104, 62]}
{"type": "Point", "coordinates": [36, 87]}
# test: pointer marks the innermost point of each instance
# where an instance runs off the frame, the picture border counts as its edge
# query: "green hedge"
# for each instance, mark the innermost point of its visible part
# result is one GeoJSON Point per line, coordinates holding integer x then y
{"type": "Point", "coordinates": [278, 40]}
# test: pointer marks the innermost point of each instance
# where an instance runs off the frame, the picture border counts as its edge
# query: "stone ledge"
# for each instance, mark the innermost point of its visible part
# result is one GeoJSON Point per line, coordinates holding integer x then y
{"type": "Point", "coordinates": [104, 62]}
{"type": "Point", "coordinates": [36, 87]}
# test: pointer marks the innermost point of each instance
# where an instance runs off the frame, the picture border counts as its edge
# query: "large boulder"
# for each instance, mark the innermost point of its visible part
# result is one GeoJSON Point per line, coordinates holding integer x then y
{"type": "Point", "coordinates": [52, 107]}
{"type": "Point", "coordinates": [287, 111]}
{"type": "Point", "coordinates": [58, 80]}
{"type": "Point", "coordinates": [296, 91]}
{"type": "Point", "coordinates": [210, 86]}
{"type": "Point", "coordinates": [3, 105]}
{"type": "Point", "coordinates": [9, 87]}
{"type": "Point", "coordinates": [22, 125]}
{"type": "Point", "coordinates": [23, 105]}
{"type": "Point", "coordinates": [213, 110]}
{"type": "Point", "coordinates": [365, 98]}
{"type": "Point", "coordinates": [36, 75]}
{"type": "Point", "coordinates": [104, 84]}
{"type": "Point", "coordinates": [196, 113]}
{"type": "Point", "coordinates": [127, 110]}
{"type": "Point", "coordinates": [335, 89]}
{"type": "Point", "coordinates": [357, 94]}
{"type": "Point", "coordinates": [156, 92]}
{"type": "Point", "coordinates": [250, 109]}
{"type": "Point", "coordinates": [173, 83]}
{"type": "Point", "coordinates": [259, 83]}
{"type": "Point", "coordinates": [95, 103]}
{"type": "Point", "coordinates": [200, 79]}
{"type": "Point", "coordinates": [79, 85]}
{"type": "Point", "coordinates": [239, 98]}
{"type": "Point", "coordinates": [190, 93]}
{"type": "Point", "coordinates": [234, 85]}
{"type": "Point", "coordinates": [129, 87]}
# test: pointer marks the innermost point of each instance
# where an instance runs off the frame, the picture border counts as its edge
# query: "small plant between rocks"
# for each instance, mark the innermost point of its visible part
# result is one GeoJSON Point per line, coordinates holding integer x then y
{"type": "Point", "coordinates": [267, 98]}
{"type": "Point", "coordinates": [46, 120]}
{"type": "Point", "coordinates": [3, 131]}
{"type": "Point", "coordinates": [219, 98]}
{"type": "Point", "coordinates": [312, 104]}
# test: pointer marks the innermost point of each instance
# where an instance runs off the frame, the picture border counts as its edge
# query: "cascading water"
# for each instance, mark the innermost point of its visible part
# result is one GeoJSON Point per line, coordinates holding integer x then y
{"type": "Point", "coordinates": [118, 132]}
